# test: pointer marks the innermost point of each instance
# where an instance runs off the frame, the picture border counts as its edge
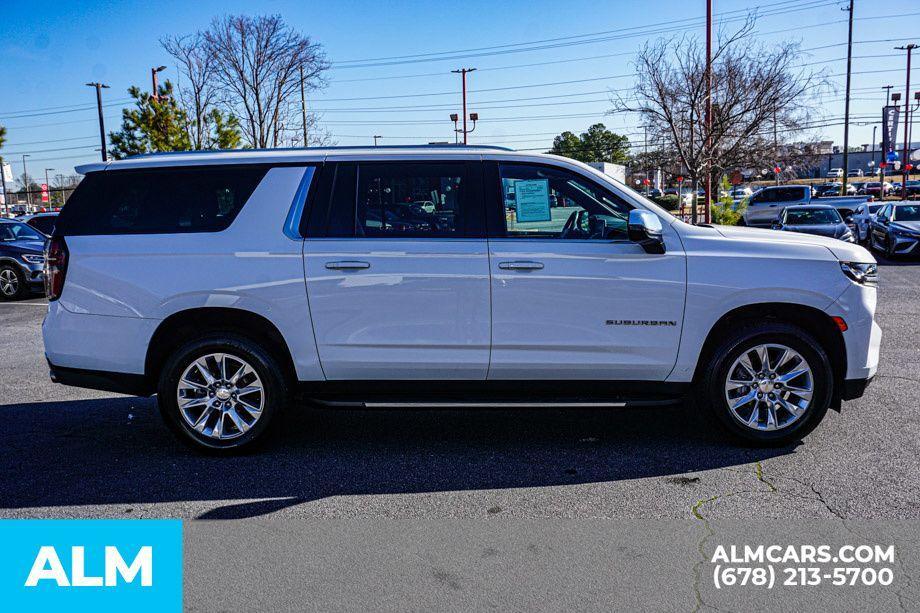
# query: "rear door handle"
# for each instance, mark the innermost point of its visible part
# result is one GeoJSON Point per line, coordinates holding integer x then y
{"type": "Point", "coordinates": [520, 265]}
{"type": "Point", "coordinates": [348, 265]}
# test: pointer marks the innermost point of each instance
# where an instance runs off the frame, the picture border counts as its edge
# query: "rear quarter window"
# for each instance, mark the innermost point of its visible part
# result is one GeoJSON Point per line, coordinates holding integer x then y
{"type": "Point", "coordinates": [159, 200]}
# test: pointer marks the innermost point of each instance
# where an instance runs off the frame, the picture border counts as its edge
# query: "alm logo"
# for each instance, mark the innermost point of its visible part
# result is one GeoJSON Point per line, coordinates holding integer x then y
{"type": "Point", "coordinates": [48, 567]}
{"type": "Point", "coordinates": [91, 565]}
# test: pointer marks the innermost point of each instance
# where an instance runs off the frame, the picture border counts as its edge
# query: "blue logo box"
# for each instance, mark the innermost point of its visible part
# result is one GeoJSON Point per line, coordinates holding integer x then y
{"type": "Point", "coordinates": [91, 565]}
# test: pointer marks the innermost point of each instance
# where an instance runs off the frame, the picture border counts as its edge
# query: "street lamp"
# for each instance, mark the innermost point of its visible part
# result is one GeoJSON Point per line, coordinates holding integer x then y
{"type": "Point", "coordinates": [455, 118]}
{"type": "Point", "coordinates": [99, 87]}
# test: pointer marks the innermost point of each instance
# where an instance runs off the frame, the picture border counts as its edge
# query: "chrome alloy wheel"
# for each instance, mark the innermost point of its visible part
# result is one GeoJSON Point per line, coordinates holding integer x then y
{"type": "Point", "coordinates": [769, 387]}
{"type": "Point", "coordinates": [9, 282]}
{"type": "Point", "coordinates": [220, 395]}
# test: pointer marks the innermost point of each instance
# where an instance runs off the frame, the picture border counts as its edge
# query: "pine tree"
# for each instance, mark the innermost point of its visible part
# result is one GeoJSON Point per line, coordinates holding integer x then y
{"type": "Point", "coordinates": [155, 124]}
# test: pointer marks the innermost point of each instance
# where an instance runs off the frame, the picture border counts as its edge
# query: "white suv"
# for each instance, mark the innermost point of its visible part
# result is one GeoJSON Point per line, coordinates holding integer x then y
{"type": "Point", "coordinates": [225, 282]}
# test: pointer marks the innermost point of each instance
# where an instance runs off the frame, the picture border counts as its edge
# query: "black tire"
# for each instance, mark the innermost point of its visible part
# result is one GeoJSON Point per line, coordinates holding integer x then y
{"type": "Point", "coordinates": [266, 366]}
{"type": "Point", "coordinates": [889, 249]}
{"type": "Point", "coordinates": [744, 338]}
{"type": "Point", "coordinates": [11, 275]}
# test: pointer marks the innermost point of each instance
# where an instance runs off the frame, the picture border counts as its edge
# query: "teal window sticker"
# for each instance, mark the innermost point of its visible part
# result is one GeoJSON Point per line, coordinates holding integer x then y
{"type": "Point", "coordinates": [531, 198]}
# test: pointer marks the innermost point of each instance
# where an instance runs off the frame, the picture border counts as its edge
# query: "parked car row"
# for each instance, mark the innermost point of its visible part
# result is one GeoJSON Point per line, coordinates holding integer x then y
{"type": "Point", "coordinates": [22, 243]}
{"type": "Point", "coordinates": [766, 205]}
{"type": "Point", "coordinates": [21, 259]}
{"type": "Point", "coordinates": [895, 229]}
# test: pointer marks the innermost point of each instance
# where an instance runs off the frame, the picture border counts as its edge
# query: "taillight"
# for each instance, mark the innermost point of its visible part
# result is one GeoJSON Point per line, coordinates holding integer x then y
{"type": "Point", "coordinates": [55, 266]}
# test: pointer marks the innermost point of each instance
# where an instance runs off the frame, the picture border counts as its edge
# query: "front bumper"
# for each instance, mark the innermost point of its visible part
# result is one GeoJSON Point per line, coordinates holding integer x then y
{"type": "Point", "coordinates": [905, 244]}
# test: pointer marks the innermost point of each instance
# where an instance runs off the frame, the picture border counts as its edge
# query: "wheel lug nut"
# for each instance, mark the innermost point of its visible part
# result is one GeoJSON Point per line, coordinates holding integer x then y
{"type": "Point", "coordinates": [211, 394]}
{"type": "Point", "coordinates": [772, 396]}
{"type": "Point", "coordinates": [772, 375]}
{"type": "Point", "coordinates": [760, 394]}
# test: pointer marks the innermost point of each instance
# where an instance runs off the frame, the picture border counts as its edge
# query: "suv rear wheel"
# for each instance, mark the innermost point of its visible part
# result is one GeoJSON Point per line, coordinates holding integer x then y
{"type": "Point", "coordinates": [769, 383]}
{"type": "Point", "coordinates": [221, 392]}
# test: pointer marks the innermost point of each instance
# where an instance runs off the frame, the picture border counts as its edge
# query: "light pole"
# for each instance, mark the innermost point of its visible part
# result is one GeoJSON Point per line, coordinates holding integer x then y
{"type": "Point", "coordinates": [25, 179]}
{"type": "Point", "coordinates": [303, 108]}
{"type": "Point", "coordinates": [874, 128]}
{"type": "Point", "coordinates": [909, 48]}
{"type": "Point", "coordinates": [99, 87]}
{"type": "Point", "coordinates": [462, 72]}
{"type": "Point", "coordinates": [846, 112]}
{"type": "Point", "coordinates": [48, 187]}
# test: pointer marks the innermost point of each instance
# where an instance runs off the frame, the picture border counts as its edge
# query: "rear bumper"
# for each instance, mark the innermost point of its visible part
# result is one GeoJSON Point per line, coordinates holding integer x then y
{"type": "Point", "coordinates": [855, 388]}
{"type": "Point", "coordinates": [96, 342]}
{"type": "Point", "coordinates": [120, 383]}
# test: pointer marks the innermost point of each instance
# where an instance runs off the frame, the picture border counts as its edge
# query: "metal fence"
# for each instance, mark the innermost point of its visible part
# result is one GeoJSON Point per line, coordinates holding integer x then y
{"type": "Point", "coordinates": [25, 202]}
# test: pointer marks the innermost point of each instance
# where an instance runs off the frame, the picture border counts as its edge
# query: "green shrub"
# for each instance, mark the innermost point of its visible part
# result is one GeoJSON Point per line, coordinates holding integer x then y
{"type": "Point", "coordinates": [670, 202]}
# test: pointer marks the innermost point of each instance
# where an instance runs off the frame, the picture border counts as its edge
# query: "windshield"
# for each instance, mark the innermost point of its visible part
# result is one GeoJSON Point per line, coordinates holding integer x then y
{"type": "Point", "coordinates": [804, 217]}
{"type": "Point", "coordinates": [19, 231]}
{"type": "Point", "coordinates": [906, 212]}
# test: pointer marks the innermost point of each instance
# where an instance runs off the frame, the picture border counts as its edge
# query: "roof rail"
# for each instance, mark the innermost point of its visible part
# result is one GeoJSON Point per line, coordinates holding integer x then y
{"type": "Point", "coordinates": [332, 148]}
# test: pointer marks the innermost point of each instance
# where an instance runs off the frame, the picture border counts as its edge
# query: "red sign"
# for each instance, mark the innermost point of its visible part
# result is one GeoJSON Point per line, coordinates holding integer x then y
{"type": "Point", "coordinates": [44, 192]}
{"type": "Point", "coordinates": [680, 178]}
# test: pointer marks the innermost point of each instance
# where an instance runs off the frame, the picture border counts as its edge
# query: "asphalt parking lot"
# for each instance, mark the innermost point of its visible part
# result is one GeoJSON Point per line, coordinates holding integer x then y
{"type": "Point", "coordinates": [77, 453]}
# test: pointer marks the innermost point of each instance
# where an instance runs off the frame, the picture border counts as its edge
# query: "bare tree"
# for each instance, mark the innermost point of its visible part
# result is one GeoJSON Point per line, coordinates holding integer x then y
{"type": "Point", "coordinates": [757, 95]}
{"type": "Point", "coordinates": [197, 96]}
{"type": "Point", "coordinates": [256, 64]}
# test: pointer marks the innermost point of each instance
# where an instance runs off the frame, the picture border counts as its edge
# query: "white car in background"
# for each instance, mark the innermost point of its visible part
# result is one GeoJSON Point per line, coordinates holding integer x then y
{"type": "Point", "coordinates": [863, 217]}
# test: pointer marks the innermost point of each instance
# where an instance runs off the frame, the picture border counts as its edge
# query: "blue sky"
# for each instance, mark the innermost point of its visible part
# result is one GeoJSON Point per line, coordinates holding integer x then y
{"type": "Point", "coordinates": [48, 50]}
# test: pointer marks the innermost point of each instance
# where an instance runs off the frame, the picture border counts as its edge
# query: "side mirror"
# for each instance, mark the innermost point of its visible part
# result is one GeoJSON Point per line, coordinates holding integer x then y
{"type": "Point", "coordinates": [848, 219]}
{"type": "Point", "coordinates": [644, 228]}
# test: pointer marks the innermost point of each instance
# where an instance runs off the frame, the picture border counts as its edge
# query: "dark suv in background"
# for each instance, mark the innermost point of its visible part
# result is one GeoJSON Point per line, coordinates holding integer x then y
{"type": "Point", "coordinates": [21, 259]}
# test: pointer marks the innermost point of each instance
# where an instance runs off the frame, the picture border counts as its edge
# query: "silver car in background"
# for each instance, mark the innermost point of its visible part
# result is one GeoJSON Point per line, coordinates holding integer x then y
{"type": "Point", "coordinates": [767, 204]}
{"type": "Point", "coordinates": [862, 219]}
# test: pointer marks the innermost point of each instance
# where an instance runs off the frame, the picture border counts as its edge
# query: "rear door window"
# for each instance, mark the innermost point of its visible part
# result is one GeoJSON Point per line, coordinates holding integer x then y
{"type": "Point", "coordinates": [159, 200]}
{"type": "Point", "coordinates": [407, 200]}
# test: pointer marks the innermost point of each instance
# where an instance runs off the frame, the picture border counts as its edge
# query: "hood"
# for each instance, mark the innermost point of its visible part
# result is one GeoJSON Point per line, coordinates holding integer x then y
{"type": "Point", "coordinates": [913, 226]}
{"type": "Point", "coordinates": [845, 252]}
{"type": "Point", "coordinates": [23, 246]}
{"type": "Point", "coordinates": [832, 230]}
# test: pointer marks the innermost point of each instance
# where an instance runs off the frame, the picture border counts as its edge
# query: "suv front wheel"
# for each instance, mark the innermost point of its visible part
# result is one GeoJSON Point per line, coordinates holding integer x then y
{"type": "Point", "coordinates": [769, 383]}
{"type": "Point", "coordinates": [220, 392]}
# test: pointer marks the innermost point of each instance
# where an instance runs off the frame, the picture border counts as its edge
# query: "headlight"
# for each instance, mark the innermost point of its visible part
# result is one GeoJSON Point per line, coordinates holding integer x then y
{"type": "Point", "coordinates": [863, 274]}
{"type": "Point", "coordinates": [33, 259]}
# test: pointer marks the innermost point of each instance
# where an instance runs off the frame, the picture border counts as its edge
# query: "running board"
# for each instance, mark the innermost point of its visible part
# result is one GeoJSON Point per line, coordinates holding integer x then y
{"type": "Point", "coordinates": [496, 404]}
{"type": "Point", "coordinates": [486, 405]}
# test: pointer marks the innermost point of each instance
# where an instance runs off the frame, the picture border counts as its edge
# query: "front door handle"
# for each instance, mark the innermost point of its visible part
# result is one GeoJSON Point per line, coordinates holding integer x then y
{"type": "Point", "coordinates": [520, 265]}
{"type": "Point", "coordinates": [347, 265]}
